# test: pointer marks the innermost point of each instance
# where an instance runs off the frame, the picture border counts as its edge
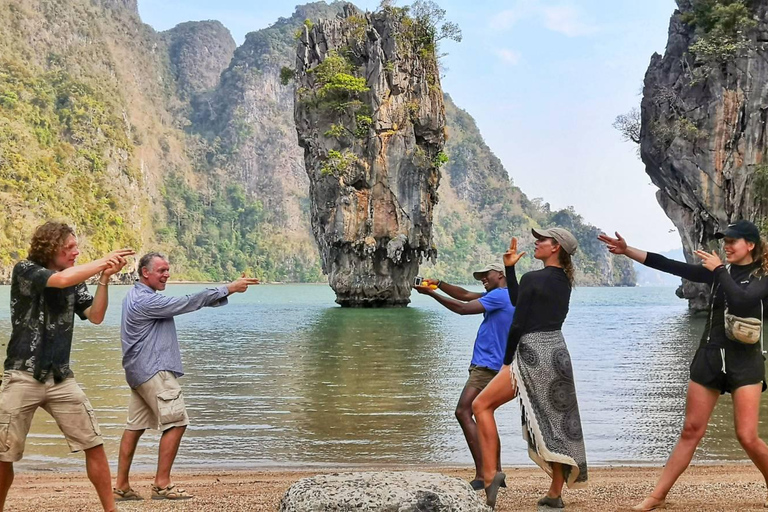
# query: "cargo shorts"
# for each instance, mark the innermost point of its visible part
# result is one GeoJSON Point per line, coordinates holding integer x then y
{"type": "Point", "coordinates": [20, 396]}
{"type": "Point", "coordinates": [157, 404]}
{"type": "Point", "coordinates": [479, 377]}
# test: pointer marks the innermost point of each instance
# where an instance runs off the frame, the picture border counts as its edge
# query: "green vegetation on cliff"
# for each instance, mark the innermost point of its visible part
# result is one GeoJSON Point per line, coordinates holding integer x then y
{"type": "Point", "coordinates": [56, 134]}
{"type": "Point", "coordinates": [721, 27]}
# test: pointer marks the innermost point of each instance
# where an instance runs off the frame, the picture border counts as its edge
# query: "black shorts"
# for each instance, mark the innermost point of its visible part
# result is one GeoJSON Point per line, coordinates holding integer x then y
{"type": "Point", "coordinates": [744, 365]}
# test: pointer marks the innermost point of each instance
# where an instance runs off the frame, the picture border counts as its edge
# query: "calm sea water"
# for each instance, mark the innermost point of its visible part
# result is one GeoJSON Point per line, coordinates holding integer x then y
{"type": "Point", "coordinates": [283, 377]}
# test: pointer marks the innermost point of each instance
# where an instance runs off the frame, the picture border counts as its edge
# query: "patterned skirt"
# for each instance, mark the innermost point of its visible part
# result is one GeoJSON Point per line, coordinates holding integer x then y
{"type": "Point", "coordinates": [542, 373]}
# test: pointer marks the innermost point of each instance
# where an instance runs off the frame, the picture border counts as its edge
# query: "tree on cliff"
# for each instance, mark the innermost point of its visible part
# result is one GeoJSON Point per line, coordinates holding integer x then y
{"type": "Point", "coordinates": [629, 125]}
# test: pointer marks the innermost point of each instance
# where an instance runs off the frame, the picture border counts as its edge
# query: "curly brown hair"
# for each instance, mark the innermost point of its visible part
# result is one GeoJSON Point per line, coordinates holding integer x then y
{"type": "Point", "coordinates": [567, 263]}
{"type": "Point", "coordinates": [47, 240]}
{"type": "Point", "coordinates": [760, 255]}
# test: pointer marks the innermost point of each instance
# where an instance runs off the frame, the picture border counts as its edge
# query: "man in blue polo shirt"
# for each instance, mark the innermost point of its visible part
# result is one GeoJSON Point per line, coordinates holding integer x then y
{"type": "Point", "coordinates": [490, 343]}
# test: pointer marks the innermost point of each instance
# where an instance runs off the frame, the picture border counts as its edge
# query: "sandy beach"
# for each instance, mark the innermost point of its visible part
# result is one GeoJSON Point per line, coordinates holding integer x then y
{"type": "Point", "coordinates": [715, 488]}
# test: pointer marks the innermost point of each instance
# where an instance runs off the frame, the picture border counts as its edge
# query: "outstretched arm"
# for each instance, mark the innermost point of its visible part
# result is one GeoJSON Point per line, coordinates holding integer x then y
{"type": "Point", "coordinates": [79, 273]}
{"type": "Point", "coordinates": [695, 273]}
{"type": "Point", "coordinates": [619, 246]}
{"type": "Point", "coordinates": [456, 292]}
{"type": "Point", "coordinates": [473, 307]}
{"type": "Point", "coordinates": [161, 306]}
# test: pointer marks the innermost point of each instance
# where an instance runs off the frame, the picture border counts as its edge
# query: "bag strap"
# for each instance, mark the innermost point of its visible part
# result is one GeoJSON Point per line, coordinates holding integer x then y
{"type": "Point", "coordinates": [711, 310]}
{"type": "Point", "coordinates": [762, 307]}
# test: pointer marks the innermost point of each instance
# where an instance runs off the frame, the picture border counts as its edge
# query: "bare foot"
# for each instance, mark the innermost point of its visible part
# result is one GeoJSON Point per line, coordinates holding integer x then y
{"type": "Point", "coordinates": [648, 504]}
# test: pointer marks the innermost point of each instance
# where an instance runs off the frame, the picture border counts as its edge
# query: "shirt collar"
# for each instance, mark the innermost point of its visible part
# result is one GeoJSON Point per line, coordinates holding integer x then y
{"type": "Point", "coordinates": [142, 287]}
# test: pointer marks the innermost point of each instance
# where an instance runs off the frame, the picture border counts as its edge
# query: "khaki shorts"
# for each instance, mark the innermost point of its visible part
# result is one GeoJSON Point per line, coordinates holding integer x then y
{"type": "Point", "coordinates": [157, 404]}
{"type": "Point", "coordinates": [479, 377]}
{"type": "Point", "coordinates": [21, 395]}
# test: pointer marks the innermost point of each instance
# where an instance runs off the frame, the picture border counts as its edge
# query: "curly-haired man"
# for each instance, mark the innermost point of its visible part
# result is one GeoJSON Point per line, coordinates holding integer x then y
{"type": "Point", "coordinates": [47, 289]}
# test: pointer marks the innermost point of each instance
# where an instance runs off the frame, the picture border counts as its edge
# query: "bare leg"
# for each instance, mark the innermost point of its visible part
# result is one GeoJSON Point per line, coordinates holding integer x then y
{"type": "Point", "coordinates": [6, 479]}
{"type": "Point", "coordinates": [97, 467]}
{"type": "Point", "coordinates": [469, 427]}
{"type": "Point", "coordinates": [498, 392]}
{"type": "Point", "coordinates": [169, 447]}
{"type": "Point", "coordinates": [699, 404]}
{"type": "Point", "coordinates": [746, 411]}
{"type": "Point", "coordinates": [558, 479]}
{"type": "Point", "coordinates": [128, 445]}
{"type": "Point", "coordinates": [498, 453]}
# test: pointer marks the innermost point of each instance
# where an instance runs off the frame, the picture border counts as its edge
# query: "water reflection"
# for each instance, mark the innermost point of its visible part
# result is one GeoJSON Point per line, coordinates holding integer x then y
{"type": "Point", "coordinates": [369, 378]}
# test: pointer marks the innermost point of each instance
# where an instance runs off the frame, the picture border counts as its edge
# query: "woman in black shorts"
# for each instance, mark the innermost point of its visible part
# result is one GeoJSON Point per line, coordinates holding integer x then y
{"type": "Point", "coordinates": [721, 364]}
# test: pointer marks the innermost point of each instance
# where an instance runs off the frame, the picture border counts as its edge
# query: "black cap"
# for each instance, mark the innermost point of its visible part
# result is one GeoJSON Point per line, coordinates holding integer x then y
{"type": "Point", "coordinates": [741, 229]}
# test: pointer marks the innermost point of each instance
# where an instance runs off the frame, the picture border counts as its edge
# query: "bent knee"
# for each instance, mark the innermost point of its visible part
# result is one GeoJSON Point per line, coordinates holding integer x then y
{"type": "Point", "coordinates": [748, 438]}
{"type": "Point", "coordinates": [462, 412]}
{"type": "Point", "coordinates": [479, 406]}
{"type": "Point", "coordinates": [693, 431]}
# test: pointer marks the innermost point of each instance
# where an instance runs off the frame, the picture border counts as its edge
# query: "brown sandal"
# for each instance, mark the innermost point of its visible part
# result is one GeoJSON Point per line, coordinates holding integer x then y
{"type": "Point", "coordinates": [170, 493]}
{"type": "Point", "coordinates": [127, 495]}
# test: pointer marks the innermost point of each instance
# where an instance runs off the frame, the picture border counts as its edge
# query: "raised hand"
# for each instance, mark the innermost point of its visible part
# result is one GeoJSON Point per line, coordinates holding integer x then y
{"type": "Point", "coordinates": [241, 284]}
{"type": "Point", "coordinates": [710, 260]}
{"type": "Point", "coordinates": [615, 245]}
{"type": "Point", "coordinates": [122, 253]}
{"type": "Point", "coordinates": [424, 290]}
{"type": "Point", "coordinates": [116, 260]}
{"type": "Point", "coordinates": [511, 257]}
{"type": "Point", "coordinates": [114, 265]}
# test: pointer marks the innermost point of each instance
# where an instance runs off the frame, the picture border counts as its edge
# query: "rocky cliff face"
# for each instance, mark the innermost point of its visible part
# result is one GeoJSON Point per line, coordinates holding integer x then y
{"type": "Point", "coordinates": [703, 136]}
{"type": "Point", "coordinates": [369, 114]}
{"type": "Point", "coordinates": [199, 51]}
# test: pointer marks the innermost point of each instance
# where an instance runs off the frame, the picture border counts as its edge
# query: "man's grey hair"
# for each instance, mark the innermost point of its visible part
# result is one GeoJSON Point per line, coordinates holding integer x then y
{"type": "Point", "coordinates": [146, 260]}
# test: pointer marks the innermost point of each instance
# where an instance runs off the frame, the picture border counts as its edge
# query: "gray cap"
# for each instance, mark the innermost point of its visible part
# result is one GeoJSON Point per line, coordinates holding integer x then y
{"type": "Point", "coordinates": [491, 266]}
{"type": "Point", "coordinates": [562, 236]}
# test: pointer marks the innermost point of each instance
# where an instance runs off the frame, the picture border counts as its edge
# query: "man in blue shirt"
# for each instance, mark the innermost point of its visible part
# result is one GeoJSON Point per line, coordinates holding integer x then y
{"type": "Point", "coordinates": [152, 363]}
{"type": "Point", "coordinates": [490, 343]}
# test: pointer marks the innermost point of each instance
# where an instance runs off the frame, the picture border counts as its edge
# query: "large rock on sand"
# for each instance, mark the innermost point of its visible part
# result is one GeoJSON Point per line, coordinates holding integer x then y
{"type": "Point", "coordinates": [384, 491]}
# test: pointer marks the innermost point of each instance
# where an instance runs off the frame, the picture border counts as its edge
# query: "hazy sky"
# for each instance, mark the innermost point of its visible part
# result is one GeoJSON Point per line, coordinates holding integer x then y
{"type": "Point", "coordinates": [544, 79]}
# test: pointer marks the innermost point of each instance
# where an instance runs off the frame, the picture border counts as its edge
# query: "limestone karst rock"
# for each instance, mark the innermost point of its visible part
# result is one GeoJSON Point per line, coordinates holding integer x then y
{"type": "Point", "coordinates": [704, 137]}
{"type": "Point", "coordinates": [370, 116]}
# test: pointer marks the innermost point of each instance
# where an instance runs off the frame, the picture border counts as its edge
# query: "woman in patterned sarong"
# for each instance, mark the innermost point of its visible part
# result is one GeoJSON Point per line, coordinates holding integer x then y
{"type": "Point", "coordinates": [537, 367]}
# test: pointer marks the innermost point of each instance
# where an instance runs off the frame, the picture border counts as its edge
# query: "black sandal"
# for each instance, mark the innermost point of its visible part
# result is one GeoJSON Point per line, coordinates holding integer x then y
{"type": "Point", "coordinates": [546, 501]}
{"type": "Point", "coordinates": [493, 490]}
